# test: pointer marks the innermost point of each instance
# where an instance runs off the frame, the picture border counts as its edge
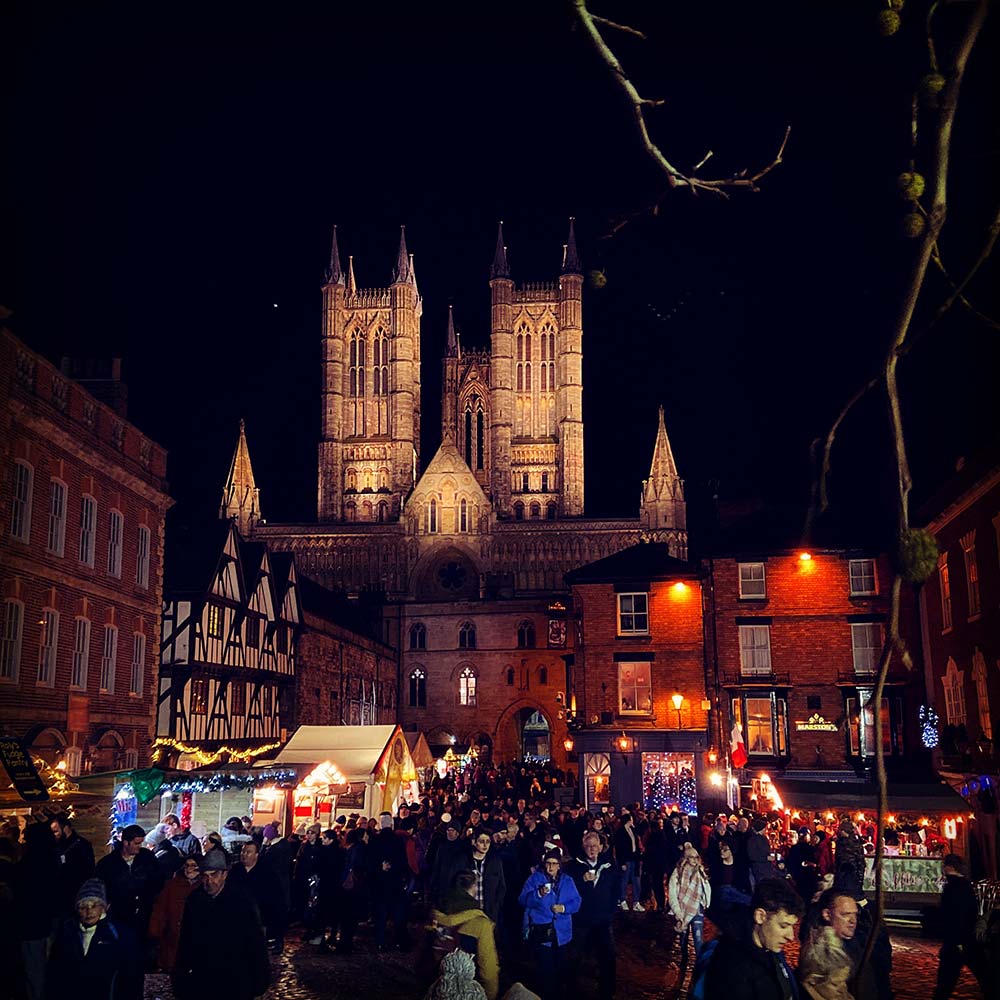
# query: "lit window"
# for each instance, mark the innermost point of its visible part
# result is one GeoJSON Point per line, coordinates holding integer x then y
{"type": "Point", "coordinates": [432, 517]}
{"type": "Point", "coordinates": [467, 636]}
{"type": "Point", "coordinates": [764, 719]}
{"type": "Point", "coordinates": [88, 519]}
{"type": "Point", "coordinates": [109, 658]}
{"type": "Point", "coordinates": [463, 515]}
{"type": "Point", "coordinates": [971, 572]}
{"type": "Point", "coordinates": [635, 690]}
{"type": "Point", "coordinates": [81, 654]}
{"type": "Point", "coordinates": [48, 644]}
{"type": "Point", "coordinates": [954, 694]}
{"type": "Point", "coordinates": [861, 725]}
{"type": "Point", "coordinates": [866, 644]}
{"type": "Point", "coordinates": [138, 664]}
{"type": "Point", "coordinates": [214, 621]}
{"type": "Point", "coordinates": [982, 693]}
{"type": "Point", "coordinates": [944, 584]}
{"type": "Point", "coordinates": [752, 582]}
{"type": "Point", "coordinates": [633, 614]}
{"type": "Point", "coordinates": [20, 512]}
{"type": "Point", "coordinates": [418, 689]}
{"type": "Point", "coordinates": [862, 575]}
{"type": "Point", "coordinates": [467, 687]}
{"type": "Point", "coordinates": [418, 636]}
{"type": "Point", "coordinates": [10, 640]}
{"type": "Point", "coordinates": [199, 696]}
{"type": "Point", "coordinates": [237, 698]}
{"type": "Point", "coordinates": [57, 518]}
{"type": "Point", "coordinates": [545, 482]}
{"type": "Point", "coordinates": [115, 543]}
{"type": "Point", "coordinates": [526, 635]}
{"type": "Point", "coordinates": [142, 557]}
{"type": "Point", "coordinates": [755, 649]}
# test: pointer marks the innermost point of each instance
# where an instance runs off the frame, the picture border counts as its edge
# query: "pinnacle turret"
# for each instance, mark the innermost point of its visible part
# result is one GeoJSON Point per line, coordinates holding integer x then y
{"type": "Point", "coordinates": [401, 274]}
{"type": "Point", "coordinates": [500, 268]}
{"type": "Point", "coordinates": [571, 259]}
{"type": "Point", "coordinates": [240, 496]}
{"type": "Point", "coordinates": [413, 275]}
{"type": "Point", "coordinates": [334, 275]}
{"type": "Point", "coordinates": [451, 347]}
{"type": "Point", "coordinates": [351, 283]}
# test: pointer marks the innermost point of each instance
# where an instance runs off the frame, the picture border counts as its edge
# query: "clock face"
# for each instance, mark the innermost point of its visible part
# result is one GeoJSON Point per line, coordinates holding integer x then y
{"type": "Point", "coordinates": [557, 632]}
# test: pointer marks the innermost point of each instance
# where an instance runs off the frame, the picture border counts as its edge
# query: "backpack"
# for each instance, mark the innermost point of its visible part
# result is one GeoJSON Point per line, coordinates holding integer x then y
{"type": "Point", "coordinates": [697, 990]}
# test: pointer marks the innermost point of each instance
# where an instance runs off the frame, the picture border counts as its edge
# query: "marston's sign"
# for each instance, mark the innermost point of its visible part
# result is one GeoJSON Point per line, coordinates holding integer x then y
{"type": "Point", "coordinates": [816, 724]}
{"type": "Point", "coordinates": [22, 771]}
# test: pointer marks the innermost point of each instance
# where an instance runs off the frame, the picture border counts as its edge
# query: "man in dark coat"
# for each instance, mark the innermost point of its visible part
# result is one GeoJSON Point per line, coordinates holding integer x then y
{"type": "Point", "coordinates": [597, 882]}
{"type": "Point", "coordinates": [959, 912]}
{"type": "Point", "coordinates": [133, 880]}
{"type": "Point", "coordinates": [259, 882]}
{"type": "Point", "coordinates": [449, 859]}
{"type": "Point", "coordinates": [388, 874]}
{"type": "Point", "coordinates": [222, 950]}
{"type": "Point", "coordinates": [749, 963]}
{"type": "Point", "coordinates": [92, 957]}
{"type": "Point", "coordinates": [76, 860]}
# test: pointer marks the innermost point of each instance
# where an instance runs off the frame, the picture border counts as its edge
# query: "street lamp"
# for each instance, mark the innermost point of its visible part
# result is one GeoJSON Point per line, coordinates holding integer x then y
{"type": "Point", "coordinates": [678, 700]}
{"type": "Point", "coordinates": [568, 743]}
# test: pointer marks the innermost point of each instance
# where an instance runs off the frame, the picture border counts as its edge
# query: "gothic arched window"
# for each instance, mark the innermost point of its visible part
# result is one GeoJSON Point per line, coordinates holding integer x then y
{"type": "Point", "coordinates": [352, 480]}
{"type": "Point", "coordinates": [520, 347]}
{"type": "Point", "coordinates": [520, 377]}
{"type": "Point", "coordinates": [467, 687]}
{"type": "Point", "coordinates": [463, 515]}
{"type": "Point", "coordinates": [350, 512]}
{"type": "Point", "coordinates": [468, 436]}
{"type": "Point", "coordinates": [527, 376]}
{"type": "Point", "coordinates": [543, 675]}
{"type": "Point", "coordinates": [480, 437]}
{"type": "Point", "coordinates": [382, 512]}
{"type": "Point", "coordinates": [536, 511]}
{"type": "Point", "coordinates": [418, 689]}
{"type": "Point", "coordinates": [418, 636]}
{"type": "Point", "coordinates": [550, 511]}
{"type": "Point", "coordinates": [510, 677]}
{"type": "Point", "coordinates": [526, 635]}
{"type": "Point", "coordinates": [519, 511]}
{"type": "Point", "coordinates": [544, 378]}
{"type": "Point", "coordinates": [432, 517]}
{"type": "Point", "coordinates": [467, 636]}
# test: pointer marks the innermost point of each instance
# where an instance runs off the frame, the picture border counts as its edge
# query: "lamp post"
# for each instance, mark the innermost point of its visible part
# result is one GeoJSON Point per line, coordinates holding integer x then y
{"type": "Point", "coordinates": [678, 700]}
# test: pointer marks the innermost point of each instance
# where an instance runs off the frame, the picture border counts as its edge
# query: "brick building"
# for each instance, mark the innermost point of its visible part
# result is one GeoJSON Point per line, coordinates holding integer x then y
{"type": "Point", "coordinates": [795, 639]}
{"type": "Point", "coordinates": [638, 695]}
{"type": "Point", "coordinates": [82, 505]}
{"type": "Point", "coordinates": [960, 630]}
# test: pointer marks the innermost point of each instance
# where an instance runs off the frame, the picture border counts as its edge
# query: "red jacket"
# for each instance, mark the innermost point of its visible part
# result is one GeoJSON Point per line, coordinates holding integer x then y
{"type": "Point", "coordinates": [165, 920]}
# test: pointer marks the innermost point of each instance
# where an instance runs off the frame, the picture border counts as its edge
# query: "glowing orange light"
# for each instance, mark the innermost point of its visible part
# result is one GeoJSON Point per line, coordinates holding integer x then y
{"type": "Point", "coordinates": [679, 589]}
{"type": "Point", "coordinates": [765, 778]}
{"type": "Point", "coordinates": [860, 817]}
{"type": "Point", "coordinates": [715, 779]}
{"type": "Point", "coordinates": [678, 700]}
{"type": "Point", "coordinates": [569, 744]}
{"type": "Point", "coordinates": [950, 829]}
{"type": "Point", "coordinates": [805, 556]}
{"type": "Point", "coordinates": [959, 819]}
{"type": "Point", "coordinates": [891, 821]}
{"type": "Point", "coordinates": [829, 815]}
{"type": "Point", "coordinates": [713, 756]}
{"type": "Point", "coordinates": [924, 821]}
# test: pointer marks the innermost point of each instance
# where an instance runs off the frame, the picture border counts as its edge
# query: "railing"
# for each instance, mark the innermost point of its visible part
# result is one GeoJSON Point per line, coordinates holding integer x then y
{"type": "Point", "coordinates": [766, 678]}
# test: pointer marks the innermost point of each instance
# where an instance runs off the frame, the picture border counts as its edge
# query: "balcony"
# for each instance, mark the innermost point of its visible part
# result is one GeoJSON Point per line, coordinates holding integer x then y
{"type": "Point", "coordinates": [864, 678]}
{"type": "Point", "coordinates": [761, 678]}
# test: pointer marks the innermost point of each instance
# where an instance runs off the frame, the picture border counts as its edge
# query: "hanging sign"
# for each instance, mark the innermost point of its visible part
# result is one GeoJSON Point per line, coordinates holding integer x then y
{"type": "Point", "coordinates": [22, 770]}
{"type": "Point", "coordinates": [816, 724]}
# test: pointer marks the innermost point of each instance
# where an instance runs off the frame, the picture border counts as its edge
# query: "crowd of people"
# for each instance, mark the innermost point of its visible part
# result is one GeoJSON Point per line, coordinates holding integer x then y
{"type": "Point", "coordinates": [484, 880]}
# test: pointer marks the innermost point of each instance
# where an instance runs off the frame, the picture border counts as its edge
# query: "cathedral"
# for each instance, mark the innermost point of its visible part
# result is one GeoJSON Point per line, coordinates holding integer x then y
{"type": "Point", "coordinates": [471, 548]}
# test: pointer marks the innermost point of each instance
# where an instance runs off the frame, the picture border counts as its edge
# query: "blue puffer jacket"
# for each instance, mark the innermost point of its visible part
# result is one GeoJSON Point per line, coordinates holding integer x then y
{"type": "Point", "coordinates": [538, 909]}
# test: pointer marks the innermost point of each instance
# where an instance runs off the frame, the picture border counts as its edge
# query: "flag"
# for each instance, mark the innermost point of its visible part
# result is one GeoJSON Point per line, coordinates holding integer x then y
{"type": "Point", "coordinates": [737, 748]}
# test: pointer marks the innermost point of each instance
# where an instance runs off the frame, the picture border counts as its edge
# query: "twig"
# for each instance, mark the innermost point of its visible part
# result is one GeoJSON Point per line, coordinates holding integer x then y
{"type": "Point", "coordinates": [618, 27]}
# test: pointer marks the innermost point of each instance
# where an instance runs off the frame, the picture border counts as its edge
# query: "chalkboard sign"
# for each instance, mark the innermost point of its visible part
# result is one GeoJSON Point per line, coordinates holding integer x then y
{"type": "Point", "coordinates": [22, 770]}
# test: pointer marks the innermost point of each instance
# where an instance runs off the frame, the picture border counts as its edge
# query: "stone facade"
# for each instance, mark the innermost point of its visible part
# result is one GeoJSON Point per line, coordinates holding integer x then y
{"type": "Point", "coordinates": [82, 505]}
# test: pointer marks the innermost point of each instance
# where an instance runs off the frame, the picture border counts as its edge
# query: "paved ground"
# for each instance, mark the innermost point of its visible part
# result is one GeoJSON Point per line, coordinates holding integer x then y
{"type": "Point", "coordinates": [648, 969]}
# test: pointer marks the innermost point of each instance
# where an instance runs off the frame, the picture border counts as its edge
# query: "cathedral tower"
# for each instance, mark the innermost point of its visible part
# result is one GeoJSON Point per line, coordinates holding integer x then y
{"type": "Point", "coordinates": [662, 510]}
{"type": "Point", "coordinates": [370, 426]}
{"type": "Point", "coordinates": [537, 391]}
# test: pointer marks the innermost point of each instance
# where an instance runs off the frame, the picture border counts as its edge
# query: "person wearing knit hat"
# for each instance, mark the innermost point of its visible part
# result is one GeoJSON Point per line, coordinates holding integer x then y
{"type": "Point", "coordinates": [92, 889]}
{"type": "Point", "coordinates": [457, 979]}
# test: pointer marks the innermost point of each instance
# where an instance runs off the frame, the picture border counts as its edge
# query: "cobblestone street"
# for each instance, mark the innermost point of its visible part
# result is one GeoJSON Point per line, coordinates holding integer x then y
{"type": "Point", "coordinates": [648, 969]}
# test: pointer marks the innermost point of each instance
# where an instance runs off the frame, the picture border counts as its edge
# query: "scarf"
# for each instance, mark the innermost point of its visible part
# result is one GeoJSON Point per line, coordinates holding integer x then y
{"type": "Point", "coordinates": [691, 895]}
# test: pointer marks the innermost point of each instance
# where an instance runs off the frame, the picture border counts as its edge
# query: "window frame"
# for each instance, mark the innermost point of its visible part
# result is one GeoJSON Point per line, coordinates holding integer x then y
{"type": "Point", "coordinates": [777, 717]}
{"type": "Point", "coordinates": [81, 654]}
{"type": "Point", "coordinates": [11, 639]}
{"type": "Point", "coordinates": [22, 500]}
{"type": "Point", "coordinates": [116, 532]}
{"type": "Point", "coordinates": [753, 650]}
{"type": "Point", "coordinates": [981, 679]}
{"type": "Point", "coordinates": [860, 735]}
{"type": "Point", "coordinates": [213, 621]}
{"type": "Point", "coordinates": [468, 683]}
{"type": "Point", "coordinates": [137, 671]}
{"type": "Point", "coordinates": [526, 634]}
{"type": "Point", "coordinates": [467, 635]}
{"type": "Point", "coordinates": [638, 620]}
{"type": "Point", "coordinates": [87, 547]}
{"type": "Point", "coordinates": [199, 697]}
{"type": "Point", "coordinates": [944, 587]}
{"type": "Point", "coordinates": [109, 660]}
{"type": "Point", "coordinates": [866, 651]}
{"type": "Point", "coordinates": [863, 576]}
{"type": "Point", "coordinates": [745, 591]}
{"type": "Point", "coordinates": [635, 687]}
{"type": "Point", "coordinates": [418, 688]}
{"type": "Point", "coordinates": [418, 636]}
{"type": "Point", "coordinates": [55, 543]}
{"type": "Point", "coordinates": [953, 684]}
{"type": "Point", "coordinates": [48, 648]}
{"type": "Point", "coordinates": [973, 591]}
{"type": "Point", "coordinates": [142, 556]}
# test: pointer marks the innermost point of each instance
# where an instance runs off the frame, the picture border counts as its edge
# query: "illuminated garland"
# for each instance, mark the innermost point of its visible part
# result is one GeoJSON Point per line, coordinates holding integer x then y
{"type": "Point", "coordinates": [205, 757]}
{"type": "Point", "coordinates": [221, 782]}
{"type": "Point", "coordinates": [928, 727]}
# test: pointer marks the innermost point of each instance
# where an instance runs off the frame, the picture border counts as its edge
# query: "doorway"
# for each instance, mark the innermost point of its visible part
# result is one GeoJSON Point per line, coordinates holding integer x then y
{"type": "Point", "coordinates": [535, 743]}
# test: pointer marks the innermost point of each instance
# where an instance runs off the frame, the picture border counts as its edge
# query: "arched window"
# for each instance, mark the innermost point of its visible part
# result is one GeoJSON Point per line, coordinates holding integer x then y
{"type": "Point", "coordinates": [543, 675]}
{"type": "Point", "coordinates": [550, 511]}
{"type": "Point", "coordinates": [527, 376]}
{"type": "Point", "coordinates": [467, 636]}
{"type": "Point", "coordinates": [383, 512]}
{"type": "Point", "coordinates": [544, 379]}
{"type": "Point", "coordinates": [510, 677]}
{"type": "Point", "coordinates": [468, 437]}
{"type": "Point", "coordinates": [352, 480]}
{"type": "Point", "coordinates": [350, 512]}
{"type": "Point", "coordinates": [536, 511]}
{"type": "Point", "coordinates": [432, 517]}
{"type": "Point", "coordinates": [519, 511]}
{"type": "Point", "coordinates": [467, 687]}
{"type": "Point", "coordinates": [520, 347]}
{"type": "Point", "coordinates": [480, 438]}
{"type": "Point", "coordinates": [418, 689]}
{"type": "Point", "coordinates": [20, 510]}
{"type": "Point", "coordinates": [520, 378]}
{"type": "Point", "coordinates": [380, 361]}
{"type": "Point", "coordinates": [418, 636]}
{"type": "Point", "coordinates": [552, 347]}
{"type": "Point", "coordinates": [526, 635]}
{"type": "Point", "coordinates": [463, 515]}
{"type": "Point", "coordinates": [362, 351]}
{"type": "Point", "coordinates": [527, 347]}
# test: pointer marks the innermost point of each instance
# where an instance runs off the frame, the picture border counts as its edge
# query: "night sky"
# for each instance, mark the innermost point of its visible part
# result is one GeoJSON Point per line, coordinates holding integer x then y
{"type": "Point", "coordinates": [176, 173]}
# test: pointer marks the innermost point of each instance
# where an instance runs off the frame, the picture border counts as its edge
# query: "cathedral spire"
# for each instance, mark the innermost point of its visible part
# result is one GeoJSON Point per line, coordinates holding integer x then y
{"type": "Point", "coordinates": [334, 275]}
{"type": "Point", "coordinates": [571, 260]}
{"type": "Point", "coordinates": [413, 275]}
{"type": "Point", "coordinates": [500, 268]}
{"type": "Point", "coordinates": [451, 349]}
{"type": "Point", "coordinates": [351, 284]}
{"type": "Point", "coordinates": [401, 274]}
{"type": "Point", "coordinates": [240, 496]}
{"type": "Point", "coordinates": [662, 509]}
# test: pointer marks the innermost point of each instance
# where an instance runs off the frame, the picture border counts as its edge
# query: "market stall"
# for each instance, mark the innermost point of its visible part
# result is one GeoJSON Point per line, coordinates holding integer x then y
{"type": "Point", "coordinates": [375, 761]}
{"type": "Point", "coordinates": [420, 751]}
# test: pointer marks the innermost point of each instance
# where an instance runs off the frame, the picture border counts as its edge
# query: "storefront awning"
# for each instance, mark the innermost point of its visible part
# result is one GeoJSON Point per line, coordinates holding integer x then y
{"type": "Point", "coordinates": [929, 796]}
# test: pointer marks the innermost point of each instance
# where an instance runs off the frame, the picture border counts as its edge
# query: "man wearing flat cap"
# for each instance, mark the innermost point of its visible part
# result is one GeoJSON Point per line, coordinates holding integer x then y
{"type": "Point", "coordinates": [222, 950]}
{"type": "Point", "coordinates": [93, 957]}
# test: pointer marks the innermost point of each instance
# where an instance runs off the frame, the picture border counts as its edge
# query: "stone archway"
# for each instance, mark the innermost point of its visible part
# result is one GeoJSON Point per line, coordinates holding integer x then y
{"type": "Point", "coordinates": [109, 752]}
{"type": "Point", "coordinates": [524, 726]}
{"type": "Point", "coordinates": [47, 743]}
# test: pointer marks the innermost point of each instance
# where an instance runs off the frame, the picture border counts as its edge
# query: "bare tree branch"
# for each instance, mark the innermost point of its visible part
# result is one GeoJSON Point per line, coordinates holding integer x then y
{"type": "Point", "coordinates": [603, 21]}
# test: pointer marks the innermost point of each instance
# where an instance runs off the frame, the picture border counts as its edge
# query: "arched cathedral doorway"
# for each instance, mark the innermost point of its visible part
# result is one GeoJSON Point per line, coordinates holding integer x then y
{"type": "Point", "coordinates": [534, 736]}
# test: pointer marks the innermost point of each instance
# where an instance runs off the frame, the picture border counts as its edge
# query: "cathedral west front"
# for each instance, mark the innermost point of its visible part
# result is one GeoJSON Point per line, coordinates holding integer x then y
{"type": "Point", "coordinates": [470, 549]}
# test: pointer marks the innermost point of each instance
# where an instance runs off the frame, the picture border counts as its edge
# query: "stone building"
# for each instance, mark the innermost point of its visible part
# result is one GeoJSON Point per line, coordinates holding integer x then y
{"type": "Point", "coordinates": [82, 505]}
{"type": "Point", "coordinates": [478, 540]}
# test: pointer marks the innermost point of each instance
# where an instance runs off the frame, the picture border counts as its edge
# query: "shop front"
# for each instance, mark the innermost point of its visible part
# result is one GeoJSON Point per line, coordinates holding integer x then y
{"type": "Point", "coordinates": [657, 768]}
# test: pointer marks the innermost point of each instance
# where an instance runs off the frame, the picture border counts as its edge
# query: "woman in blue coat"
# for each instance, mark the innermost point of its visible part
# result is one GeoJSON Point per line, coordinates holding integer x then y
{"type": "Point", "coordinates": [550, 899]}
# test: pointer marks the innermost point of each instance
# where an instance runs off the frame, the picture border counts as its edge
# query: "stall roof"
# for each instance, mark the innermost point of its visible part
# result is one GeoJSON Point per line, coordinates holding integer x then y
{"type": "Point", "coordinates": [356, 750]}
{"type": "Point", "coordinates": [419, 749]}
{"type": "Point", "coordinates": [926, 796]}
